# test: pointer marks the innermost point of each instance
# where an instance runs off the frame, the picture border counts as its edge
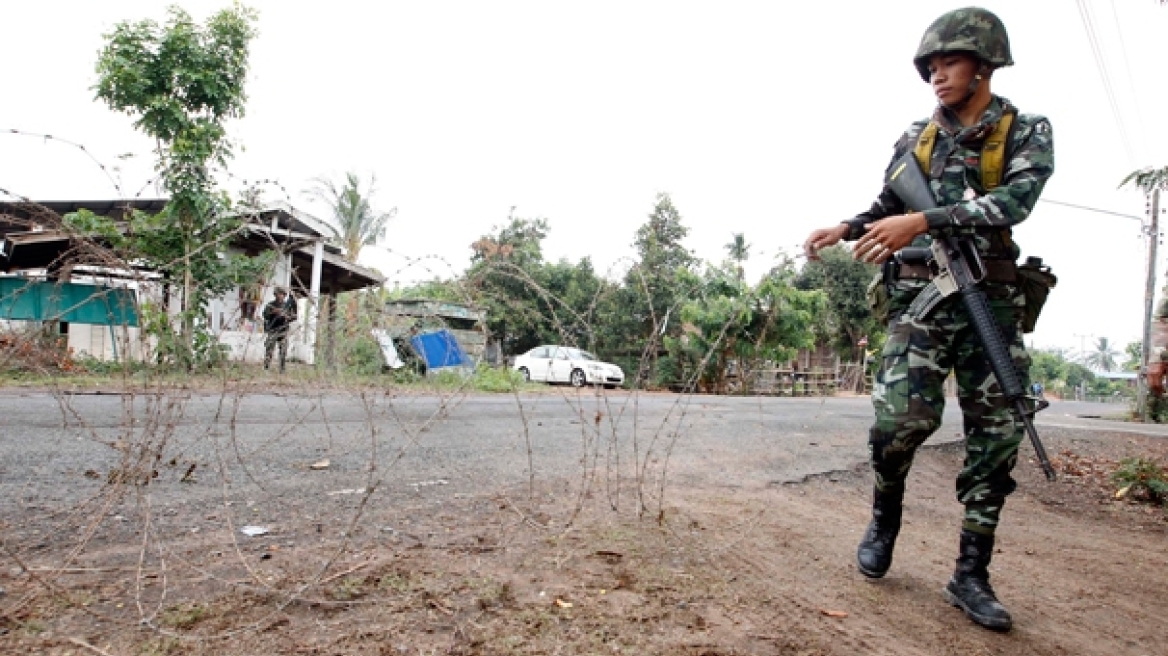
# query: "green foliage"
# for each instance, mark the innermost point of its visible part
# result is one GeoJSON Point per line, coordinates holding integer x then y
{"type": "Point", "coordinates": [497, 379]}
{"type": "Point", "coordinates": [354, 222]}
{"type": "Point", "coordinates": [726, 320]}
{"type": "Point", "coordinates": [844, 282]}
{"type": "Point", "coordinates": [656, 286]}
{"type": "Point", "coordinates": [91, 225]}
{"type": "Point", "coordinates": [1147, 179]}
{"type": "Point", "coordinates": [1103, 356]}
{"type": "Point", "coordinates": [181, 82]}
{"type": "Point", "coordinates": [438, 290]}
{"type": "Point", "coordinates": [738, 251]}
{"type": "Point", "coordinates": [201, 351]}
{"type": "Point", "coordinates": [1057, 373]}
{"type": "Point", "coordinates": [662, 261]}
{"type": "Point", "coordinates": [363, 355]}
{"type": "Point", "coordinates": [1142, 478]}
{"type": "Point", "coordinates": [183, 616]}
{"type": "Point", "coordinates": [529, 301]}
{"type": "Point", "coordinates": [483, 379]}
{"type": "Point", "coordinates": [1134, 352]}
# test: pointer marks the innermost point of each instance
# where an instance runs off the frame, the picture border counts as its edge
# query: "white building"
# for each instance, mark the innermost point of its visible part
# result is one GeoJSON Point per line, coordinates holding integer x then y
{"type": "Point", "coordinates": [37, 253]}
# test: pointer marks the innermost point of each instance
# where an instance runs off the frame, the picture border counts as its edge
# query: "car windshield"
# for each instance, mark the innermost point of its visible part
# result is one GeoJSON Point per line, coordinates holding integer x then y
{"type": "Point", "coordinates": [577, 354]}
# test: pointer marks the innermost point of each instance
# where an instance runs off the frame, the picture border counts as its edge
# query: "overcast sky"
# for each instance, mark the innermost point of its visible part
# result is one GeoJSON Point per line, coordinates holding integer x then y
{"type": "Point", "coordinates": [768, 118]}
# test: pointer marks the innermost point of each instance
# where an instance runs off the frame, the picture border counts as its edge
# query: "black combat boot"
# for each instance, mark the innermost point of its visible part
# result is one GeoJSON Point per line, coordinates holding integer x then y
{"type": "Point", "coordinates": [970, 590]}
{"type": "Point", "coordinates": [874, 555]}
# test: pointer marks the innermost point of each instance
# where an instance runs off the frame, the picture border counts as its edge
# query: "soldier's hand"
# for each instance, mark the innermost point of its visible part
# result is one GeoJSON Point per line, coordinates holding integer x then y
{"type": "Point", "coordinates": [886, 236]}
{"type": "Point", "coordinates": [823, 238]}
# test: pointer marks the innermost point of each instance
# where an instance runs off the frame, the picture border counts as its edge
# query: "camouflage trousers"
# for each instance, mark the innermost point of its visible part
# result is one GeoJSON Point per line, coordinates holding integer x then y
{"type": "Point", "coordinates": [909, 399]}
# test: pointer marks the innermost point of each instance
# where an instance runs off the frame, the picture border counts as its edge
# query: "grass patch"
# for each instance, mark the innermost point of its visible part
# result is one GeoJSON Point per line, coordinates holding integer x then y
{"type": "Point", "coordinates": [184, 616]}
{"type": "Point", "coordinates": [1142, 479]}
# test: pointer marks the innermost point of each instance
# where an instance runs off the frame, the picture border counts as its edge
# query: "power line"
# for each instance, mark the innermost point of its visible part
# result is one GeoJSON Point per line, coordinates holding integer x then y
{"type": "Point", "coordinates": [1131, 80]}
{"type": "Point", "coordinates": [1092, 209]}
{"type": "Point", "coordinates": [1101, 64]}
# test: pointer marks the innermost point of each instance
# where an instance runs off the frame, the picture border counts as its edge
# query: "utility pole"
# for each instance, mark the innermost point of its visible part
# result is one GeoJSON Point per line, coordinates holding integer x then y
{"type": "Point", "coordinates": [1082, 355]}
{"type": "Point", "coordinates": [1149, 299]}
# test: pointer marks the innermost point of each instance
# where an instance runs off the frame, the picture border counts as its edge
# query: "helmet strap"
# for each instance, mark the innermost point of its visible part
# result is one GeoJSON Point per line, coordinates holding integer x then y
{"type": "Point", "coordinates": [983, 72]}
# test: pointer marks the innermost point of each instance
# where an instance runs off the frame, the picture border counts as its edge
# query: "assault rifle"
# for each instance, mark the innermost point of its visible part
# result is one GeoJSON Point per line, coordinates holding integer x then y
{"type": "Point", "coordinates": [957, 268]}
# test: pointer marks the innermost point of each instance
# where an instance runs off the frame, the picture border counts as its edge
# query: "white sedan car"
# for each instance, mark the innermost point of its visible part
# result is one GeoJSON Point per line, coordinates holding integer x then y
{"type": "Point", "coordinates": [563, 364]}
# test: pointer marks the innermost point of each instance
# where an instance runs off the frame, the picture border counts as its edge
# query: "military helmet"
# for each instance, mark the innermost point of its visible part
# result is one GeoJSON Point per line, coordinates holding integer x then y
{"type": "Point", "coordinates": [971, 30]}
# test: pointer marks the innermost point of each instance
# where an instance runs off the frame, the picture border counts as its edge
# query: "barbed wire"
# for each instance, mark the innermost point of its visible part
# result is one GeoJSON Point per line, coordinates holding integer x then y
{"type": "Point", "coordinates": [179, 448]}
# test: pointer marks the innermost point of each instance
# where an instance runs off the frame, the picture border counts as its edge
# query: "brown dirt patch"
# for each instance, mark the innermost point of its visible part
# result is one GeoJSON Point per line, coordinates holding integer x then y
{"type": "Point", "coordinates": [723, 571]}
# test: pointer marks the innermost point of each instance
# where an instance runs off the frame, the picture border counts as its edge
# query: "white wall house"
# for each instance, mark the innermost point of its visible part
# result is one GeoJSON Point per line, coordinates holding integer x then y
{"type": "Point", "coordinates": [33, 247]}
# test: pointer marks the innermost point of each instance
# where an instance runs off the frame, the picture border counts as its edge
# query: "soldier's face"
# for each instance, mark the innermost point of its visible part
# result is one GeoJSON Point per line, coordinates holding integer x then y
{"type": "Point", "coordinates": [951, 75]}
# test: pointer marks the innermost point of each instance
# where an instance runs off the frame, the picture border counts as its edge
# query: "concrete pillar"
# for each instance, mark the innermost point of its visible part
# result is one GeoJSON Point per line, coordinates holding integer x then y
{"type": "Point", "coordinates": [314, 303]}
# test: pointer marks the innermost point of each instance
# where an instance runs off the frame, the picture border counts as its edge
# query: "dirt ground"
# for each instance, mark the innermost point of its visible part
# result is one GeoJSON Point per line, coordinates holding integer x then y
{"type": "Point", "coordinates": [715, 571]}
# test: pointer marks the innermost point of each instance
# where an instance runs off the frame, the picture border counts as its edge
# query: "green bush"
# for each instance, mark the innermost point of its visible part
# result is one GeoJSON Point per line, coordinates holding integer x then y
{"type": "Point", "coordinates": [484, 379]}
{"type": "Point", "coordinates": [363, 356]}
{"type": "Point", "coordinates": [1141, 478]}
{"type": "Point", "coordinates": [497, 379]}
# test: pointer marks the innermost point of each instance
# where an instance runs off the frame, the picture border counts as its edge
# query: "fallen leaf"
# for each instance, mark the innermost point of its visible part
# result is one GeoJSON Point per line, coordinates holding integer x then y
{"type": "Point", "coordinates": [322, 464]}
{"type": "Point", "coordinates": [1123, 492]}
{"type": "Point", "coordinates": [563, 604]}
{"type": "Point", "coordinates": [833, 613]}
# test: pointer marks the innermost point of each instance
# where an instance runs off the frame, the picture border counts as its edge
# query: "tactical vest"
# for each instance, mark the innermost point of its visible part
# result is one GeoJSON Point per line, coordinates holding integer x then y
{"type": "Point", "coordinates": [993, 151]}
{"type": "Point", "coordinates": [992, 164]}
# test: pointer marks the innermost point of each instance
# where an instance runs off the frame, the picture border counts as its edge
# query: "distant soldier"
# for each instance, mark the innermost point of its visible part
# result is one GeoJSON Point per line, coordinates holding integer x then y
{"type": "Point", "coordinates": [987, 163]}
{"type": "Point", "coordinates": [1158, 362]}
{"type": "Point", "coordinates": [278, 318]}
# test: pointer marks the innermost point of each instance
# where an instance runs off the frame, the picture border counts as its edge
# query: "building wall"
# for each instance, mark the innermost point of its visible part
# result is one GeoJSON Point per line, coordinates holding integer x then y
{"type": "Point", "coordinates": [108, 343]}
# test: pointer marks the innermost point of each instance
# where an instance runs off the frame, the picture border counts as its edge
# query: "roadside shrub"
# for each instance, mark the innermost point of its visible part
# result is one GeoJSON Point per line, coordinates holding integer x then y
{"type": "Point", "coordinates": [364, 356]}
{"type": "Point", "coordinates": [36, 350]}
{"type": "Point", "coordinates": [1141, 478]}
{"type": "Point", "coordinates": [497, 379]}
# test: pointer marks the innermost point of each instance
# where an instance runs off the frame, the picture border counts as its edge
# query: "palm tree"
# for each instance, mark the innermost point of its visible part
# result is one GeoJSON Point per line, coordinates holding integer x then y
{"type": "Point", "coordinates": [354, 222]}
{"type": "Point", "coordinates": [1147, 179]}
{"type": "Point", "coordinates": [739, 251]}
{"type": "Point", "coordinates": [1103, 357]}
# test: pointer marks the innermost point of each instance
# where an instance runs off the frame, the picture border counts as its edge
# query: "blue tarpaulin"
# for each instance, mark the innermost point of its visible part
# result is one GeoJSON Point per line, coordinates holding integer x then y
{"type": "Point", "coordinates": [440, 349]}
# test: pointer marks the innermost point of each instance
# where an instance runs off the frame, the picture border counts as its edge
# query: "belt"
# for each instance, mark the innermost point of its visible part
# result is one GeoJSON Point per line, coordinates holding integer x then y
{"type": "Point", "coordinates": [996, 271]}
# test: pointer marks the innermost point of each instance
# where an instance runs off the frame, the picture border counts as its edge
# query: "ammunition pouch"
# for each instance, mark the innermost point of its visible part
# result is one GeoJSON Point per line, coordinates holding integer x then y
{"type": "Point", "coordinates": [1036, 281]}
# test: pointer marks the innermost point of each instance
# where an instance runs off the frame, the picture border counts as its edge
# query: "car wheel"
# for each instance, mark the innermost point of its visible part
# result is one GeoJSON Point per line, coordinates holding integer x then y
{"type": "Point", "coordinates": [526, 374]}
{"type": "Point", "coordinates": [578, 378]}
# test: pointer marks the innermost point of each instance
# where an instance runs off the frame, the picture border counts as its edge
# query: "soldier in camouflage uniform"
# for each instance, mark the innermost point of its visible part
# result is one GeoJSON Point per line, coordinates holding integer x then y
{"type": "Point", "coordinates": [957, 55]}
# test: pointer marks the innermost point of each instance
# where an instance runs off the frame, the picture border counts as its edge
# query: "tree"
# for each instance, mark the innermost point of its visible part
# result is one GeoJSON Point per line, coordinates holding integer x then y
{"type": "Point", "coordinates": [182, 82]}
{"type": "Point", "coordinates": [529, 301]}
{"type": "Point", "coordinates": [844, 281]}
{"type": "Point", "coordinates": [1134, 353]}
{"type": "Point", "coordinates": [739, 251]}
{"type": "Point", "coordinates": [1057, 372]}
{"type": "Point", "coordinates": [662, 259]}
{"type": "Point", "coordinates": [354, 223]}
{"type": "Point", "coordinates": [725, 320]}
{"type": "Point", "coordinates": [1103, 356]}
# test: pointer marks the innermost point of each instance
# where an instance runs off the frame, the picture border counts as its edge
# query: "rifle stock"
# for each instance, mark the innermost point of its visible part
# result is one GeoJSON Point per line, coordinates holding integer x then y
{"type": "Point", "coordinates": [953, 259]}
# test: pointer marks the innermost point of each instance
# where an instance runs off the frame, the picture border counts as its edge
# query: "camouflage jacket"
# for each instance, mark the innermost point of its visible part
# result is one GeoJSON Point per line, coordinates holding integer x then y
{"type": "Point", "coordinates": [956, 169]}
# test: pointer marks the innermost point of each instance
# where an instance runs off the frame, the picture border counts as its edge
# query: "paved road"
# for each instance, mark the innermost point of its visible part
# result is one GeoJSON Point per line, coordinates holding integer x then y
{"type": "Point", "coordinates": [483, 441]}
{"type": "Point", "coordinates": [251, 455]}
